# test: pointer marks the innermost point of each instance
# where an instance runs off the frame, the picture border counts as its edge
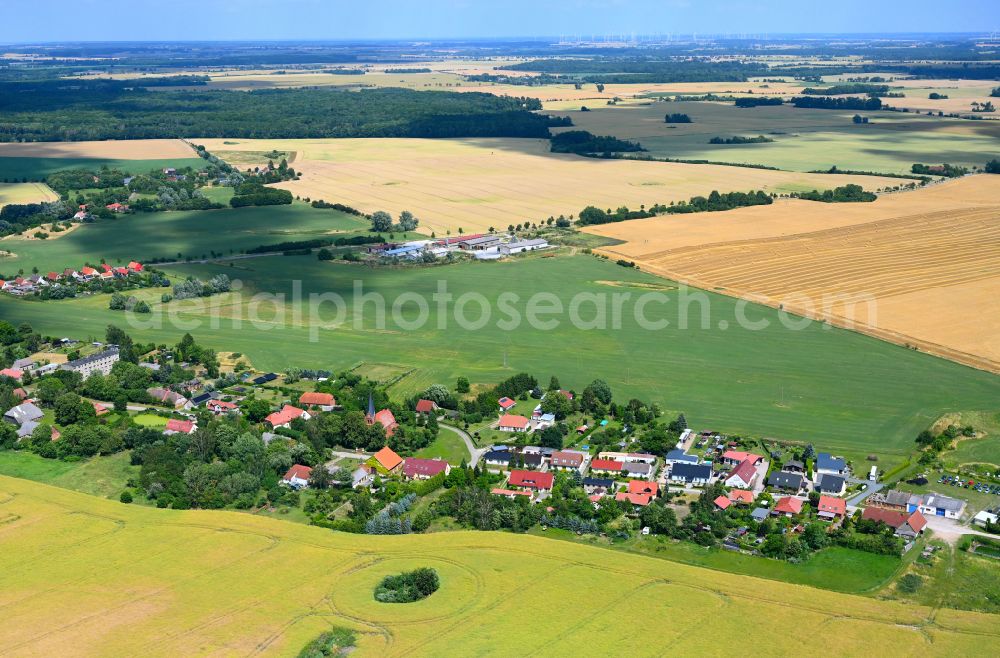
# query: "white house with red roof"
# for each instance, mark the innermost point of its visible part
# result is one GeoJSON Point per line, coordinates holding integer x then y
{"type": "Point", "coordinates": [506, 404]}
{"type": "Point", "coordinates": [534, 480]}
{"type": "Point", "coordinates": [175, 426]}
{"type": "Point", "coordinates": [286, 415]}
{"type": "Point", "coordinates": [788, 506]}
{"type": "Point", "coordinates": [219, 407]}
{"type": "Point", "coordinates": [743, 476]}
{"type": "Point", "coordinates": [426, 406]}
{"type": "Point", "coordinates": [415, 468]}
{"type": "Point", "coordinates": [831, 508]}
{"type": "Point", "coordinates": [606, 466]}
{"type": "Point", "coordinates": [297, 477]}
{"type": "Point", "coordinates": [512, 423]}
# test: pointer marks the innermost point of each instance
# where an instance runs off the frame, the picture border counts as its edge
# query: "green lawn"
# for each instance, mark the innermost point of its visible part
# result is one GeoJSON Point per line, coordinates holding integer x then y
{"type": "Point", "coordinates": [834, 388]}
{"type": "Point", "coordinates": [448, 446]}
{"type": "Point", "coordinates": [985, 449]}
{"type": "Point", "coordinates": [38, 168]}
{"type": "Point", "coordinates": [835, 568]}
{"type": "Point", "coordinates": [804, 139]}
{"type": "Point", "coordinates": [150, 420]}
{"type": "Point", "coordinates": [193, 234]}
{"type": "Point", "coordinates": [98, 476]}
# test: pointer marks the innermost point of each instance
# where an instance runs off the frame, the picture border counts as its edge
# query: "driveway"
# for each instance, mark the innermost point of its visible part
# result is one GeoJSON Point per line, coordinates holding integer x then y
{"type": "Point", "coordinates": [475, 454]}
{"type": "Point", "coordinates": [857, 499]}
{"type": "Point", "coordinates": [951, 530]}
{"type": "Point", "coordinates": [761, 482]}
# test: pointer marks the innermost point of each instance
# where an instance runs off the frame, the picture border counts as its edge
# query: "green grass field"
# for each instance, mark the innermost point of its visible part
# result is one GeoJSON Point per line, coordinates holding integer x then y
{"type": "Point", "coordinates": [835, 568]}
{"type": "Point", "coordinates": [191, 233]}
{"type": "Point", "coordinates": [99, 476]}
{"type": "Point", "coordinates": [805, 140]}
{"type": "Point", "coordinates": [827, 386]}
{"type": "Point", "coordinates": [985, 449]}
{"type": "Point", "coordinates": [150, 420]}
{"type": "Point", "coordinates": [447, 446]}
{"type": "Point", "coordinates": [84, 575]}
{"type": "Point", "coordinates": [33, 169]}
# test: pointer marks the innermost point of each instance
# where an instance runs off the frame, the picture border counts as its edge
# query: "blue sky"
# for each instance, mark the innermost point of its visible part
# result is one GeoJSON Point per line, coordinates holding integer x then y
{"type": "Point", "coordinates": [113, 20]}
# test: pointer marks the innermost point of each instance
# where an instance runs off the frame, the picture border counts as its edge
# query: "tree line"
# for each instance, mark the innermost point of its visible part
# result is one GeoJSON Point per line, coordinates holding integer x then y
{"type": "Point", "coordinates": [92, 111]}
{"type": "Point", "coordinates": [714, 202]}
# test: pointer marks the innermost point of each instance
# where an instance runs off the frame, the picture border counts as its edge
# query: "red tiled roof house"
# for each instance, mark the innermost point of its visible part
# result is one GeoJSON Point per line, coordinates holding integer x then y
{"type": "Point", "coordinates": [297, 476]}
{"type": "Point", "coordinates": [415, 468]}
{"type": "Point", "coordinates": [325, 401]}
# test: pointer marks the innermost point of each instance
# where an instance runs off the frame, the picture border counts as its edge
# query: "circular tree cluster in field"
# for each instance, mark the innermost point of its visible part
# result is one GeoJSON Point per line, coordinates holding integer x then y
{"type": "Point", "coordinates": [408, 587]}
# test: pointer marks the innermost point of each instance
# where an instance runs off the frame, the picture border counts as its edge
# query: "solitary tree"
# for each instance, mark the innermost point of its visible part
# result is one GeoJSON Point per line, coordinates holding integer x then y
{"type": "Point", "coordinates": [381, 221]}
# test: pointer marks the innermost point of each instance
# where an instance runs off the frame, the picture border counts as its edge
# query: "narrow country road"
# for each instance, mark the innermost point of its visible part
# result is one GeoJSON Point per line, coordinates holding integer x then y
{"type": "Point", "coordinates": [475, 454]}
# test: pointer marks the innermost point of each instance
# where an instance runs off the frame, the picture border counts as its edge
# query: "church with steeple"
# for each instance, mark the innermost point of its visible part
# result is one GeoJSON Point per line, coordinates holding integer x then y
{"type": "Point", "coordinates": [384, 417]}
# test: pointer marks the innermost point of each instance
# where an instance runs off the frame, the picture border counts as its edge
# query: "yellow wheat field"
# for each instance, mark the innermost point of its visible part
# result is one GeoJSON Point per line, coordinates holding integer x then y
{"type": "Point", "coordinates": [477, 183]}
{"type": "Point", "coordinates": [919, 268]}
{"type": "Point", "coordinates": [121, 149]}
{"type": "Point", "coordinates": [25, 193]}
{"type": "Point", "coordinates": [85, 576]}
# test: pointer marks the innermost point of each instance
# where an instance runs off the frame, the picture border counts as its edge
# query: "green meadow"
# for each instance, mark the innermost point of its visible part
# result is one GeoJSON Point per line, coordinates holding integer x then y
{"type": "Point", "coordinates": [193, 234]}
{"type": "Point", "coordinates": [838, 389]}
{"type": "Point", "coordinates": [804, 139]}
{"type": "Point", "coordinates": [35, 169]}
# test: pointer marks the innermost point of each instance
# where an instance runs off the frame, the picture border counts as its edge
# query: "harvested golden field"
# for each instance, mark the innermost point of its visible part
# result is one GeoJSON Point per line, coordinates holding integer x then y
{"type": "Point", "coordinates": [477, 183]}
{"type": "Point", "coordinates": [123, 149]}
{"type": "Point", "coordinates": [25, 193]}
{"type": "Point", "coordinates": [85, 576]}
{"type": "Point", "coordinates": [919, 268]}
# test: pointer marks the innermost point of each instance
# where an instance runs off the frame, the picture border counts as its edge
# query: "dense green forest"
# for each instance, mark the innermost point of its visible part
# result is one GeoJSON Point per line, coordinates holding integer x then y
{"type": "Point", "coordinates": [112, 110]}
{"type": "Point", "coordinates": [849, 88]}
{"type": "Point", "coordinates": [582, 142]}
{"type": "Point", "coordinates": [642, 70]}
{"type": "Point", "coordinates": [829, 103]}
{"type": "Point", "coordinates": [754, 102]}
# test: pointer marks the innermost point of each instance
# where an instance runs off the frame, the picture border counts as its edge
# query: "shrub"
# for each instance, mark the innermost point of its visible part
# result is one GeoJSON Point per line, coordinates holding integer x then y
{"type": "Point", "coordinates": [910, 583]}
{"type": "Point", "coordinates": [126, 497]}
{"type": "Point", "coordinates": [408, 587]}
{"type": "Point", "coordinates": [335, 642]}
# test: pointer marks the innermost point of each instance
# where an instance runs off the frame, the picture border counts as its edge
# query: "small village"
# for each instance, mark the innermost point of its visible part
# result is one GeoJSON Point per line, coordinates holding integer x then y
{"type": "Point", "coordinates": [711, 487]}
{"type": "Point", "coordinates": [20, 286]}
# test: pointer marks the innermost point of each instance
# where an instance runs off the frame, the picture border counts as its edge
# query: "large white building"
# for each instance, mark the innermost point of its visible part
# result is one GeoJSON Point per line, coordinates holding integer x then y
{"type": "Point", "coordinates": [100, 362]}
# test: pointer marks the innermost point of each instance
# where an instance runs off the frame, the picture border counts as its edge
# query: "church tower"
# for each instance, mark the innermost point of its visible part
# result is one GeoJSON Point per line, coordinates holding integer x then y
{"type": "Point", "coordinates": [370, 416]}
